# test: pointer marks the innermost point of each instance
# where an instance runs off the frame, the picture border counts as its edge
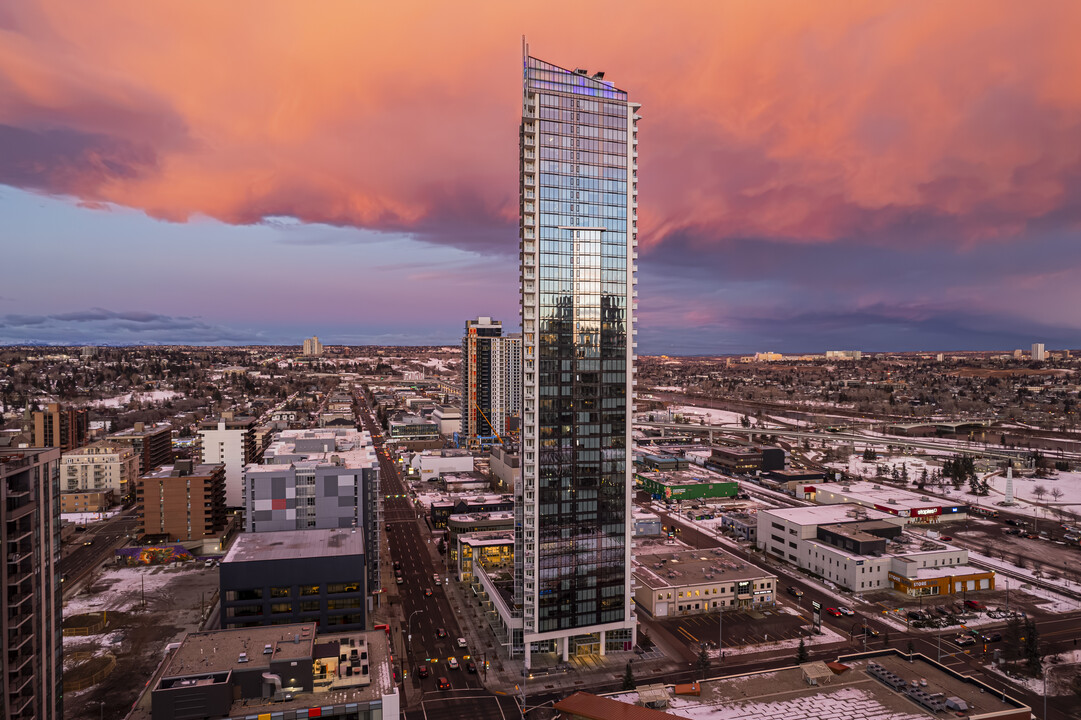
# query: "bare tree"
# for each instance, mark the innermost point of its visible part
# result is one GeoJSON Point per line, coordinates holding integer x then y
{"type": "Point", "coordinates": [1039, 491]}
{"type": "Point", "coordinates": [1056, 494]}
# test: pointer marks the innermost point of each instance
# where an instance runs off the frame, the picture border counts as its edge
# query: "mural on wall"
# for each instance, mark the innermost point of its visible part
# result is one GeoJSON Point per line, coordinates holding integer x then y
{"type": "Point", "coordinates": [153, 555]}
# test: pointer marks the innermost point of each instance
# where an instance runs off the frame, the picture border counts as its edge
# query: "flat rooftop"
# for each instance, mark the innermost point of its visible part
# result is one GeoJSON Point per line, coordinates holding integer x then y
{"type": "Point", "coordinates": [883, 495]}
{"type": "Point", "coordinates": [695, 567]}
{"type": "Point", "coordinates": [853, 695]}
{"type": "Point", "coordinates": [294, 544]}
{"type": "Point", "coordinates": [487, 537]}
{"type": "Point", "coordinates": [690, 476]}
{"type": "Point", "coordinates": [197, 471]}
{"type": "Point", "coordinates": [219, 650]}
{"type": "Point", "coordinates": [826, 514]}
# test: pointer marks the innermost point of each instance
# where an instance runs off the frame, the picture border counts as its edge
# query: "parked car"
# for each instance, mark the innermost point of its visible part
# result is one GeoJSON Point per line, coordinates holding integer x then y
{"type": "Point", "coordinates": [444, 684]}
{"type": "Point", "coordinates": [974, 604]}
{"type": "Point", "coordinates": [945, 538]}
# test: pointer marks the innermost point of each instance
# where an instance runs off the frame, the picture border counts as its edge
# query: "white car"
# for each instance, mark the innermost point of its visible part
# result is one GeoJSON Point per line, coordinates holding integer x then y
{"type": "Point", "coordinates": [435, 578]}
{"type": "Point", "coordinates": [453, 663]}
{"type": "Point", "coordinates": [462, 643]}
{"type": "Point", "coordinates": [844, 611]}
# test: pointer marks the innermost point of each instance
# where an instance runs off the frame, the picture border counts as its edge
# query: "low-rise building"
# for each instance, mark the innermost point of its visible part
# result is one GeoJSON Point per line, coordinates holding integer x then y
{"type": "Point", "coordinates": [506, 464]}
{"type": "Point", "coordinates": [479, 522]}
{"type": "Point", "coordinates": [285, 671]}
{"type": "Point", "coordinates": [102, 465]}
{"type": "Point", "coordinates": [743, 525]}
{"type": "Point", "coordinates": [448, 418]}
{"type": "Point", "coordinates": [412, 427]}
{"type": "Point", "coordinates": [88, 501]}
{"type": "Point", "coordinates": [183, 501]}
{"type": "Point", "coordinates": [295, 576]}
{"type": "Point", "coordinates": [747, 459]}
{"type": "Point", "coordinates": [695, 484]}
{"type": "Point", "coordinates": [864, 550]}
{"type": "Point", "coordinates": [430, 465]}
{"type": "Point", "coordinates": [909, 506]}
{"type": "Point", "coordinates": [440, 512]}
{"type": "Point", "coordinates": [695, 582]}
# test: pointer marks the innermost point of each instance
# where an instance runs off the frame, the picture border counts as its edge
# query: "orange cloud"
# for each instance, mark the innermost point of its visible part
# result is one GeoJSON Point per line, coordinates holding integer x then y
{"type": "Point", "coordinates": [794, 120]}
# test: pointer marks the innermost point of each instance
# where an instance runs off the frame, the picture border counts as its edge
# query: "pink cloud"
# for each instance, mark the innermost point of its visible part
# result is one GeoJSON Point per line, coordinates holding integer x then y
{"type": "Point", "coordinates": [794, 120]}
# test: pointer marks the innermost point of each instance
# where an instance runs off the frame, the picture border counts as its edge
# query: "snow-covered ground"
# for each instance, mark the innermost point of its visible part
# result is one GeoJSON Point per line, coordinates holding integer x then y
{"type": "Point", "coordinates": [124, 588]}
{"type": "Point", "coordinates": [1068, 484]}
{"type": "Point", "coordinates": [711, 416]}
{"type": "Point", "coordinates": [88, 517]}
{"type": "Point", "coordinates": [153, 396]}
{"type": "Point", "coordinates": [859, 467]}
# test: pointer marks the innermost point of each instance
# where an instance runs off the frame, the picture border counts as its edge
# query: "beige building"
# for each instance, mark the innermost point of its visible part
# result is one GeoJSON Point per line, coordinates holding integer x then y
{"type": "Point", "coordinates": [695, 582]}
{"type": "Point", "coordinates": [102, 465]}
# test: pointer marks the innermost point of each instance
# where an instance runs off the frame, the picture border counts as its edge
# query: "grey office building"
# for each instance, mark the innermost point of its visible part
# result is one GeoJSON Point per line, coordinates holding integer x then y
{"type": "Point", "coordinates": [275, 578]}
{"type": "Point", "coordinates": [317, 479]}
{"type": "Point", "coordinates": [31, 602]}
{"type": "Point", "coordinates": [579, 199]}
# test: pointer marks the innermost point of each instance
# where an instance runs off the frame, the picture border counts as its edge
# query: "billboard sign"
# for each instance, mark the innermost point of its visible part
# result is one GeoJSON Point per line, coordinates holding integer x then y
{"type": "Point", "coordinates": [816, 615]}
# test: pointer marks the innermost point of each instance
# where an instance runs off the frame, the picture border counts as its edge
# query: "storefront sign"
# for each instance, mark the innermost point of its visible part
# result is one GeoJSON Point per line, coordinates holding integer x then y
{"type": "Point", "coordinates": [929, 511]}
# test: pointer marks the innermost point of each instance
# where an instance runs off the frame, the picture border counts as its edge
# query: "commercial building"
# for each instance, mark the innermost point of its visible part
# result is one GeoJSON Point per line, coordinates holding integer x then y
{"type": "Point", "coordinates": [695, 582]}
{"type": "Point", "coordinates": [1038, 352]}
{"type": "Point", "coordinates": [406, 427]}
{"type": "Point", "coordinates": [449, 419]}
{"type": "Point", "coordinates": [440, 512]}
{"type": "Point", "coordinates": [89, 501]}
{"type": "Point", "coordinates": [60, 427]}
{"type": "Point", "coordinates": [747, 459]}
{"type": "Point", "coordinates": [30, 605]}
{"type": "Point", "coordinates": [312, 347]}
{"type": "Point", "coordinates": [506, 465]}
{"type": "Point", "coordinates": [844, 354]}
{"type": "Point", "coordinates": [864, 550]}
{"type": "Point", "coordinates": [152, 444]}
{"type": "Point", "coordinates": [182, 501]}
{"type": "Point", "coordinates": [286, 671]}
{"type": "Point", "coordinates": [881, 684]}
{"type": "Point", "coordinates": [579, 236]}
{"type": "Point", "coordinates": [479, 522]}
{"type": "Point", "coordinates": [230, 440]}
{"type": "Point", "coordinates": [103, 465]}
{"type": "Point", "coordinates": [276, 578]}
{"type": "Point", "coordinates": [909, 506]}
{"type": "Point", "coordinates": [318, 479]}
{"type": "Point", "coordinates": [430, 465]}
{"type": "Point", "coordinates": [678, 485]}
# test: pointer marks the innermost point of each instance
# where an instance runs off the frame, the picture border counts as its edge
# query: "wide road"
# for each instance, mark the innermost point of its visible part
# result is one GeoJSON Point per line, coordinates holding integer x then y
{"type": "Point", "coordinates": [425, 607]}
{"type": "Point", "coordinates": [95, 545]}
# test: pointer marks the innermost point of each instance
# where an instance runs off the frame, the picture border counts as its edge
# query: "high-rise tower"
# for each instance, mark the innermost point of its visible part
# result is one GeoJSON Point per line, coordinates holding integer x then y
{"type": "Point", "coordinates": [579, 199]}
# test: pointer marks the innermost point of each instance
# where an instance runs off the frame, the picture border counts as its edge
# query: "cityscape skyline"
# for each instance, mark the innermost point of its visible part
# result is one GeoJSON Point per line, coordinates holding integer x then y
{"type": "Point", "coordinates": [893, 177]}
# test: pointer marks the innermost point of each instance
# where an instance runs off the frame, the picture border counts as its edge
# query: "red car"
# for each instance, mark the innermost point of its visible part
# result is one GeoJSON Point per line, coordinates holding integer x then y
{"type": "Point", "coordinates": [834, 612]}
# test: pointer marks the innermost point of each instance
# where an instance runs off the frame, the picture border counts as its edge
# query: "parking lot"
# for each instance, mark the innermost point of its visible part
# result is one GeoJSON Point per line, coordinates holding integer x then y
{"type": "Point", "coordinates": [741, 628]}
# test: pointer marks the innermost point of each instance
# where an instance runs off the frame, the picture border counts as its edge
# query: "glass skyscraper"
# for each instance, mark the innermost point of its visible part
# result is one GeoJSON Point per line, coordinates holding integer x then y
{"type": "Point", "coordinates": [578, 195]}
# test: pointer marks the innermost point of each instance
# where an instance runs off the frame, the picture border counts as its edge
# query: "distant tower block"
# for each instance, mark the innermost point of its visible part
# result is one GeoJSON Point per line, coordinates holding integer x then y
{"type": "Point", "coordinates": [1009, 485]}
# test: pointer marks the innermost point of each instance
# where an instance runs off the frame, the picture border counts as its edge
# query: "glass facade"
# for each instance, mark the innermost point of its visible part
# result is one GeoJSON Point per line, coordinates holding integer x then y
{"type": "Point", "coordinates": [578, 234]}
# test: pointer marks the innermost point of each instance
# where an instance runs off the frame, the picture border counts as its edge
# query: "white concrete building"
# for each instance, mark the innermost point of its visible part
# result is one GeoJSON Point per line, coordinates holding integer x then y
{"type": "Point", "coordinates": [430, 465]}
{"type": "Point", "coordinates": [102, 465]}
{"type": "Point", "coordinates": [1038, 352]}
{"type": "Point", "coordinates": [230, 441]}
{"type": "Point", "coordinates": [863, 550]}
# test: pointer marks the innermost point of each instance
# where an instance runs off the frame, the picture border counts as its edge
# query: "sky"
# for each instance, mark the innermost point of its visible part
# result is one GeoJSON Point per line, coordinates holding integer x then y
{"type": "Point", "coordinates": [829, 175]}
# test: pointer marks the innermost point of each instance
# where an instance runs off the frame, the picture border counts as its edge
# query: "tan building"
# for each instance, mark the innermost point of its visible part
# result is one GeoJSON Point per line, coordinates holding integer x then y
{"type": "Point", "coordinates": [89, 501]}
{"type": "Point", "coordinates": [183, 501]}
{"type": "Point", "coordinates": [694, 582]}
{"type": "Point", "coordinates": [102, 465]}
{"type": "Point", "coordinates": [60, 427]}
{"type": "Point", "coordinates": [152, 443]}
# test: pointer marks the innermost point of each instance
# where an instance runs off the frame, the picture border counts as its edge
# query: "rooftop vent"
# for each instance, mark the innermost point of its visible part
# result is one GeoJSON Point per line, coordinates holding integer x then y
{"type": "Point", "coordinates": [243, 658]}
